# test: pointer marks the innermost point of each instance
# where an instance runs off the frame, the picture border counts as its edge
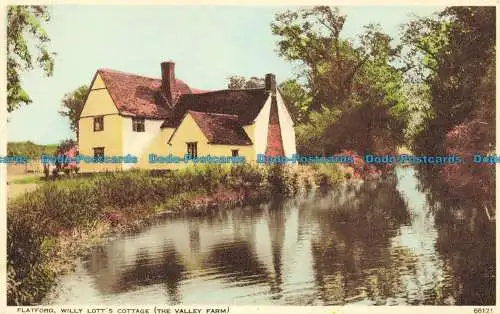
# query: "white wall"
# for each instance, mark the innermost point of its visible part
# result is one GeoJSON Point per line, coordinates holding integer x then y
{"type": "Point", "coordinates": [262, 128]}
{"type": "Point", "coordinates": [135, 143]}
{"type": "Point", "coordinates": [286, 124]}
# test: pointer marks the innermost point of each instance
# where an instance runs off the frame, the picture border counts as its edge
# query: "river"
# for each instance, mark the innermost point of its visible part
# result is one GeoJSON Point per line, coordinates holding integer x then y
{"type": "Point", "coordinates": [373, 243]}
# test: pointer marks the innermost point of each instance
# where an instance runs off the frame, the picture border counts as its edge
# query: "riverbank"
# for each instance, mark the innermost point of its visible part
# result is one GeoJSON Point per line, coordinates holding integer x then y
{"type": "Point", "coordinates": [66, 217]}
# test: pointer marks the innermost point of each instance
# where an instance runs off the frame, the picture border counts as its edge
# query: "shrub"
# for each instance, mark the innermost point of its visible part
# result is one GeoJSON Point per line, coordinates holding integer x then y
{"type": "Point", "coordinates": [328, 174]}
{"type": "Point", "coordinates": [282, 179]}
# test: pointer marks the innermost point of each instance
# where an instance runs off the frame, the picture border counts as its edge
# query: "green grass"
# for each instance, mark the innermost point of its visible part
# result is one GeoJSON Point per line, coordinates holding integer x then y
{"type": "Point", "coordinates": [28, 180]}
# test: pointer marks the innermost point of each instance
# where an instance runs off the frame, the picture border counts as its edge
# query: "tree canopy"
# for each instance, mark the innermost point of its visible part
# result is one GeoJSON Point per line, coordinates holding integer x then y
{"type": "Point", "coordinates": [72, 105]}
{"type": "Point", "coordinates": [27, 47]}
{"type": "Point", "coordinates": [341, 75]}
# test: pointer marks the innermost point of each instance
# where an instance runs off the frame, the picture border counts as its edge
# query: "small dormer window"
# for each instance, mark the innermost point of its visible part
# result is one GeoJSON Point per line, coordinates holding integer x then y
{"type": "Point", "coordinates": [138, 125]}
{"type": "Point", "coordinates": [98, 123]}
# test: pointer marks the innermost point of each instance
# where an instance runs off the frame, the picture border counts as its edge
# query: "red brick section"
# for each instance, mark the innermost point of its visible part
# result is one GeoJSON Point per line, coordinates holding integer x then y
{"type": "Point", "coordinates": [274, 140]}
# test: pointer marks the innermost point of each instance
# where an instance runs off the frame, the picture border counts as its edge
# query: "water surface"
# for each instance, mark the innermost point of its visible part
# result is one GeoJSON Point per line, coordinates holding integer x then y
{"type": "Point", "coordinates": [373, 243]}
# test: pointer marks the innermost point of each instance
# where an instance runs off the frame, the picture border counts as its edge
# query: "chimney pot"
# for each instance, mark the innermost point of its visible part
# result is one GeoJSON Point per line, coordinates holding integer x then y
{"type": "Point", "coordinates": [270, 84]}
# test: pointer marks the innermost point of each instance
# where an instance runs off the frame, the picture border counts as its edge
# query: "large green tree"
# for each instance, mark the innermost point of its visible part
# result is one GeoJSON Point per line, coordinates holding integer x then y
{"type": "Point", "coordinates": [27, 47]}
{"type": "Point", "coordinates": [456, 50]}
{"type": "Point", "coordinates": [331, 64]}
{"type": "Point", "coordinates": [297, 98]}
{"type": "Point", "coordinates": [72, 105]}
{"type": "Point", "coordinates": [451, 54]}
{"type": "Point", "coordinates": [354, 76]}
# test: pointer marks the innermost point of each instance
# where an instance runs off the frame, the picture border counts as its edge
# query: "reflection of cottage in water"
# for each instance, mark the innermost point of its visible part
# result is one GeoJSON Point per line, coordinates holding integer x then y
{"type": "Point", "coordinates": [239, 253]}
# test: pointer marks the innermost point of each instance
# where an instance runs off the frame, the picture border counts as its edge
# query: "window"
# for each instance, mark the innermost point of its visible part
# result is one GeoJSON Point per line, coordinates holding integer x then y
{"type": "Point", "coordinates": [138, 125]}
{"type": "Point", "coordinates": [98, 153]}
{"type": "Point", "coordinates": [98, 123]}
{"type": "Point", "coordinates": [192, 149]}
{"type": "Point", "coordinates": [234, 152]}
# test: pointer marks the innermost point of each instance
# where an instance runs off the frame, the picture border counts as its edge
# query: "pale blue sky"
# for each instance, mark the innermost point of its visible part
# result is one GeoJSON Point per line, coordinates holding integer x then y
{"type": "Point", "coordinates": [207, 43]}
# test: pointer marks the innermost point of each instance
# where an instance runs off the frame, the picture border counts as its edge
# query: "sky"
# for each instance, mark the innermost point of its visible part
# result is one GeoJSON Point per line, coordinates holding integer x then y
{"type": "Point", "coordinates": [207, 43]}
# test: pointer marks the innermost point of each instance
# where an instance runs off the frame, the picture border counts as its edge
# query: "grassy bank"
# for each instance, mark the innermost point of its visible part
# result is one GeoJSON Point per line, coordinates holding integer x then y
{"type": "Point", "coordinates": [49, 227]}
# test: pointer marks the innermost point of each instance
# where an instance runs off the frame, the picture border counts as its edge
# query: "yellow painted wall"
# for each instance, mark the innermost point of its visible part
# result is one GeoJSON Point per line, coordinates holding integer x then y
{"type": "Point", "coordinates": [188, 131]}
{"type": "Point", "coordinates": [98, 82]}
{"type": "Point", "coordinates": [110, 138]}
{"type": "Point", "coordinates": [159, 146]}
{"type": "Point", "coordinates": [99, 103]}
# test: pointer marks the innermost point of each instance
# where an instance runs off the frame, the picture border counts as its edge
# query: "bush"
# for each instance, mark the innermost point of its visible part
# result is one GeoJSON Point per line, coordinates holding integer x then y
{"type": "Point", "coordinates": [328, 174]}
{"type": "Point", "coordinates": [282, 179]}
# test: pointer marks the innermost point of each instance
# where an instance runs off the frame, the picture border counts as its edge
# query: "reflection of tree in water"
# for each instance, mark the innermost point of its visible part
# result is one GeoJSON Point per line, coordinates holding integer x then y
{"type": "Point", "coordinates": [351, 255]}
{"type": "Point", "coordinates": [237, 261]}
{"type": "Point", "coordinates": [150, 270]}
{"type": "Point", "coordinates": [466, 240]}
{"type": "Point", "coordinates": [276, 224]}
{"type": "Point", "coordinates": [467, 243]}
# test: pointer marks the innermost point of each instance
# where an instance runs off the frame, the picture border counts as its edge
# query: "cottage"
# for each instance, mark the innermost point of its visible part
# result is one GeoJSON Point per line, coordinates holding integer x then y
{"type": "Point", "coordinates": [127, 114]}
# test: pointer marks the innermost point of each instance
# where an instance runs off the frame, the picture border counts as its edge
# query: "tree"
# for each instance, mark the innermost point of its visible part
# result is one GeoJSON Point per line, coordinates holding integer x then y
{"type": "Point", "coordinates": [340, 75]}
{"type": "Point", "coordinates": [297, 98]}
{"type": "Point", "coordinates": [241, 82]}
{"type": "Point", "coordinates": [25, 37]}
{"type": "Point", "coordinates": [331, 64]}
{"type": "Point", "coordinates": [72, 105]}
{"type": "Point", "coordinates": [457, 49]}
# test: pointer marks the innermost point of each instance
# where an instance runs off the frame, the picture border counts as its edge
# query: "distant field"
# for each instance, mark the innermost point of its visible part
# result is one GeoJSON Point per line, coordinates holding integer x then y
{"type": "Point", "coordinates": [30, 149]}
{"type": "Point", "coordinates": [25, 178]}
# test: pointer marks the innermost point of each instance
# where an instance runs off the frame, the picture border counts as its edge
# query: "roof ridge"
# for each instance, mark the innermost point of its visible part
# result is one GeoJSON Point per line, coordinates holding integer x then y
{"type": "Point", "coordinates": [230, 90]}
{"type": "Point", "coordinates": [128, 73]}
{"type": "Point", "coordinates": [214, 113]}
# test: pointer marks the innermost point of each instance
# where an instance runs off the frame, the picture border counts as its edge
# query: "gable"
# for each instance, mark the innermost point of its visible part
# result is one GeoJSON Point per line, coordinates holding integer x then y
{"type": "Point", "coordinates": [98, 82]}
{"type": "Point", "coordinates": [99, 101]}
{"type": "Point", "coordinates": [187, 131]}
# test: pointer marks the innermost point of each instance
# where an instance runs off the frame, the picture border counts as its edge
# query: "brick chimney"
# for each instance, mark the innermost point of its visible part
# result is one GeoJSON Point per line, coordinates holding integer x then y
{"type": "Point", "coordinates": [168, 80]}
{"type": "Point", "coordinates": [271, 84]}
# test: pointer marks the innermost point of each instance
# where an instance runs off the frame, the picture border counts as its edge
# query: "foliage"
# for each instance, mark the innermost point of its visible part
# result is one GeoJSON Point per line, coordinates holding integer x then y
{"type": "Point", "coordinates": [30, 149]}
{"type": "Point", "coordinates": [458, 47]}
{"type": "Point", "coordinates": [457, 54]}
{"type": "Point", "coordinates": [282, 179]}
{"type": "Point", "coordinates": [25, 38]}
{"type": "Point", "coordinates": [65, 145]}
{"type": "Point", "coordinates": [72, 105]}
{"type": "Point", "coordinates": [241, 82]}
{"type": "Point", "coordinates": [347, 77]}
{"type": "Point", "coordinates": [328, 174]}
{"type": "Point", "coordinates": [331, 64]}
{"type": "Point", "coordinates": [311, 135]}
{"type": "Point", "coordinates": [297, 98]}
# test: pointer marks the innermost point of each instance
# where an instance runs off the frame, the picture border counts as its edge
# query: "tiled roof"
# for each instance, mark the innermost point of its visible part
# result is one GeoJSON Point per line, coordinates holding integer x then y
{"type": "Point", "coordinates": [221, 128]}
{"type": "Point", "coordinates": [244, 103]}
{"type": "Point", "coordinates": [220, 114]}
{"type": "Point", "coordinates": [137, 95]}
